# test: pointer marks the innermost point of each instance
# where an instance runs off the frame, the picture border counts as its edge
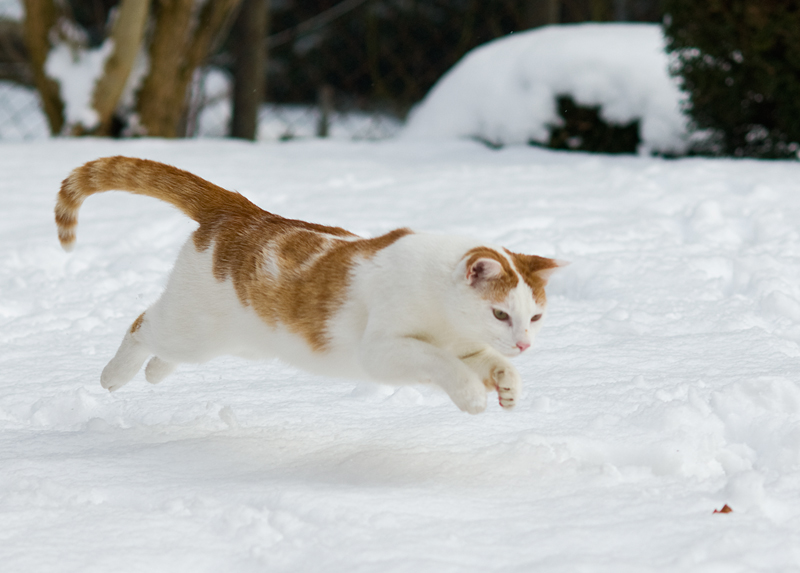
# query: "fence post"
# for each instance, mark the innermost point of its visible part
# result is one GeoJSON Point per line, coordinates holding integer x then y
{"type": "Point", "coordinates": [325, 101]}
{"type": "Point", "coordinates": [249, 68]}
{"type": "Point", "coordinates": [620, 11]}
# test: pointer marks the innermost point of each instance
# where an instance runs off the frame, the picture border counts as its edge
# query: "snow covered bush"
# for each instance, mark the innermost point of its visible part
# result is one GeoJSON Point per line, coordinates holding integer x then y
{"type": "Point", "coordinates": [740, 63]}
{"type": "Point", "coordinates": [506, 91]}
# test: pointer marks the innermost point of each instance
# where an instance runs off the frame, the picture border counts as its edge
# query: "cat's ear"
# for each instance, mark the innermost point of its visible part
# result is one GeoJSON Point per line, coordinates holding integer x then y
{"type": "Point", "coordinates": [540, 267]}
{"type": "Point", "coordinates": [546, 272]}
{"type": "Point", "coordinates": [482, 270]}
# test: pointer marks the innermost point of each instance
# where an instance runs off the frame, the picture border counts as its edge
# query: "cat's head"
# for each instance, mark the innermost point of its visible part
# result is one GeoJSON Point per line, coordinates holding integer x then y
{"type": "Point", "coordinates": [506, 296]}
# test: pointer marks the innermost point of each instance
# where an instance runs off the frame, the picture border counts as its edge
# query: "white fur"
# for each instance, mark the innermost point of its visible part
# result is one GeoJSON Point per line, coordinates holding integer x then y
{"type": "Point", "coordinates": [411, 315]}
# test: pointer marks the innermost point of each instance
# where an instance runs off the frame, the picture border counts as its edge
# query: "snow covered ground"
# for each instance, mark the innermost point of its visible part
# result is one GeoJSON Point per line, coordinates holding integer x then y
{"type": "Point", "coordinates": [665, 383]}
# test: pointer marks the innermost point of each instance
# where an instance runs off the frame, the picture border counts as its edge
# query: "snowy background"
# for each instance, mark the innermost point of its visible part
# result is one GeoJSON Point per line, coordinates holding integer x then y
{"type": "Point", "coordinates": [664, 384]}
{"type": "Point", "coordinates": [503, 92]}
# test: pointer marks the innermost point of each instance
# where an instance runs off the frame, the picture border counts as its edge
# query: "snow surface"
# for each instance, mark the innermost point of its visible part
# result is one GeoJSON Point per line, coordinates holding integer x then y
{"type": "Point", "coordinates": [664, 384]}
{"type": "Point", "coordinates": [505, 91]}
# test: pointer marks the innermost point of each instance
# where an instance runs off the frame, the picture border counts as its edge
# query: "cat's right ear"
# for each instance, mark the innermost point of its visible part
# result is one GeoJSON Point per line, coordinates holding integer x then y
{"type": "Point", "coordinates": [483, 270]}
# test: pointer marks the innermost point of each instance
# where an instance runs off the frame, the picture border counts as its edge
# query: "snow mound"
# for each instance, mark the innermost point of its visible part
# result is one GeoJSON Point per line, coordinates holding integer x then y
{"type": "Point", "coordinates": [505, 91]}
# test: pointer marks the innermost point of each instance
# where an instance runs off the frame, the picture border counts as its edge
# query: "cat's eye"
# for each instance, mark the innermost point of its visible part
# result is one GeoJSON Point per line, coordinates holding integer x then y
{"type": "Point", "coordinates": [500, 315]}
{"type": "Point", "coordinates": [536, 317]}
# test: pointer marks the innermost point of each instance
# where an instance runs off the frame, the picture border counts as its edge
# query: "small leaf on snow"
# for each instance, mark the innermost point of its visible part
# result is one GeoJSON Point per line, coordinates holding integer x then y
{"type": "Point", "coordinates": [725, 509]}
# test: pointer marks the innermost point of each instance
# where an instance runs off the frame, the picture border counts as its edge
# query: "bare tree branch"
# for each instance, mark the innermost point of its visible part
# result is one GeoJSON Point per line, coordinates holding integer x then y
{"type": "Point", "coordinates": [312, 24]}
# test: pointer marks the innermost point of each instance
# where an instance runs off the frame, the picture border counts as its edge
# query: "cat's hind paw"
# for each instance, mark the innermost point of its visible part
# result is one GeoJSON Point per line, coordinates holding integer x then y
{"type": "Point", "coordinates": [158, 369]}
{"type": "Point", "coordinates": [113, 377]}
{"type": "Point", "coordinates": [126, 362]}
{"type": "Point", "coordinates": [124, 366]}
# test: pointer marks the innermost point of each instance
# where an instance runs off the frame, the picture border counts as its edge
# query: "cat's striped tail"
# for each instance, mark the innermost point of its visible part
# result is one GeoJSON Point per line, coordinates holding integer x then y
{"type": "Point", "coordinates": [202, 201]}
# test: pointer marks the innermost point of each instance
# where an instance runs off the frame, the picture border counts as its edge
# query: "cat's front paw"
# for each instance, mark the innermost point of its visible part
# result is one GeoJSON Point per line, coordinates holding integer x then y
{"type": "Point", "coordinates": [508, 383]}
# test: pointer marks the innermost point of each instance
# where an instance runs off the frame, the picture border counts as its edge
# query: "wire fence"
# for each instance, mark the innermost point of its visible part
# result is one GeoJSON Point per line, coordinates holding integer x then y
{"type": "Point", "coordinates": [21, 115]}
{"type": "Point", "coordinates": [210, 113]}
{"type": "Point", "coordinates": [344, 68]}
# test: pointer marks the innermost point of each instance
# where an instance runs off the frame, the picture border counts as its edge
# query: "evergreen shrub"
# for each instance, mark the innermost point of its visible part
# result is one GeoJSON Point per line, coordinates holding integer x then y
{"type": "Point", "coordinates": [583, 129]}
{"type": "Point", "coordinates": [739, 61]}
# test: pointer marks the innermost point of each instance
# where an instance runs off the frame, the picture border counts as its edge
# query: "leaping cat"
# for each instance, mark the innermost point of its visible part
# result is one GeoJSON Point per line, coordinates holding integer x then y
{"type": "Point", "coordinates": [403, 307]}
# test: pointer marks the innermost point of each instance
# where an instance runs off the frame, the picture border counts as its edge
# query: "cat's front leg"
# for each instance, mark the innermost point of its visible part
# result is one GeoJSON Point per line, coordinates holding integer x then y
{"type": "Point", "coordinates": [466, 391]}
{"type": "Point", "coordinates": [403, 359]}
{"type": "Point", "coordinates": [497, 374]}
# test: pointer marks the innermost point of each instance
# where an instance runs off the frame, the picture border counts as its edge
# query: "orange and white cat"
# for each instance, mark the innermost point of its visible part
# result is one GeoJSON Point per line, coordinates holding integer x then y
{"type": "Point", "coordinates": [403, 307]}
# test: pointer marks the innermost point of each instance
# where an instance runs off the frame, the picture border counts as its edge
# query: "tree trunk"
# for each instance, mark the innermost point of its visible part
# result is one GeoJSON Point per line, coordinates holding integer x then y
{"type": "Point", "coordinates": [127, 36]}
{"type": "Point", "coordinates": [40, 17]}
{"type": "Point", "coordinates": [250, 52]}
{"type": "Point", "coordinates": [159, 111]}
{"type": "Point", "coordinates": [178, 47]}
{"type": "Point", "coordinates": [621, 11]}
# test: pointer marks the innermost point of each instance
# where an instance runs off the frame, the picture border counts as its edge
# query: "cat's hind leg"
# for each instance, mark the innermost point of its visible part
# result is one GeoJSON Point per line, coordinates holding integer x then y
{"type": "Point", "coordinates": [128, 360]}
{"type": "Point", "coordinates": [157, 369]}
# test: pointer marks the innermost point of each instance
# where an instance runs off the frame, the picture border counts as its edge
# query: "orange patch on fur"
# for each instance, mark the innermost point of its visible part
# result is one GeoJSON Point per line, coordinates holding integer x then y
{"type": "Point", "coordinates": [137, 324]}
{"type": "Point", "coordinates": [312, 261]}
{"type": "Point", "coordinates": [313, 268]}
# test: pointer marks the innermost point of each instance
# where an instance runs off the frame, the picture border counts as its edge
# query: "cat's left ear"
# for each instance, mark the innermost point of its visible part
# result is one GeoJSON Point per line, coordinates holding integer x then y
{"type": "Point", "coordinates": [546, 273]}
{"type": "Point", "coordinates": [541, 267]}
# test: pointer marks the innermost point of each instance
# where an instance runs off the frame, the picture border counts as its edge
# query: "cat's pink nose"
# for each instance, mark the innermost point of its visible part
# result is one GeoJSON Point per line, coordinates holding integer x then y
{"type": "Point", "coordinates": [523, 346]}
